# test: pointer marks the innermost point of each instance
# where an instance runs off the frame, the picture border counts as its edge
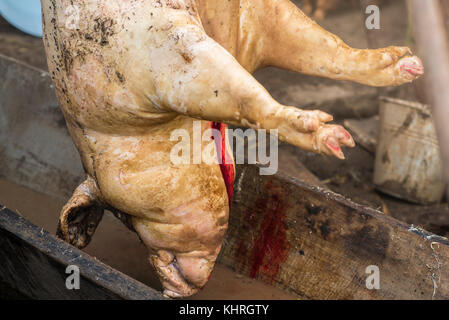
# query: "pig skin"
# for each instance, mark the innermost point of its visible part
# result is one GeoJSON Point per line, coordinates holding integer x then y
{"type": "Point", "coordinates": [127, 73]}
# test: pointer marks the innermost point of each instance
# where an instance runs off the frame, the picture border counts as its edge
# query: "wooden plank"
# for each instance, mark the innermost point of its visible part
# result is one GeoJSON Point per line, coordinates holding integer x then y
{"type": "Point", "coordinates": [36, 149]}
{"type": "Point", "coordinates": [435, 55]}
{"type": "Point", "coordinates": [316, 244]}
{"type": "Point", "coordinates": [34, 264]}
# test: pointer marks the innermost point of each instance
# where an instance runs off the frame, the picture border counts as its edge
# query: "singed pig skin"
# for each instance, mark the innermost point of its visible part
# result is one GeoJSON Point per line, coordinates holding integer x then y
{"type": "Point", "coordinates": [128, 73]}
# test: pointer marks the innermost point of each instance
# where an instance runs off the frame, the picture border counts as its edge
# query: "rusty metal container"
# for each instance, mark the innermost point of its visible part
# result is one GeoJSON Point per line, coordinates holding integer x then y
{"type": "Point", "coordinates": [408, 161]}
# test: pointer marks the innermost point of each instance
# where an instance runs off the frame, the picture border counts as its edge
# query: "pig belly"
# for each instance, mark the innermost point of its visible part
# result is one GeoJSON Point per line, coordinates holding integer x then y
{"type": "Point", "coordinates": [183, 208]}
{"type": "Point", "coordinates": [191, 228]}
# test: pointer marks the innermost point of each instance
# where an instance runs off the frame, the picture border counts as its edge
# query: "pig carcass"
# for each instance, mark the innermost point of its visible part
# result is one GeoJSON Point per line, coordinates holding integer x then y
{"type": "Point", "coordinates": [129, 73]}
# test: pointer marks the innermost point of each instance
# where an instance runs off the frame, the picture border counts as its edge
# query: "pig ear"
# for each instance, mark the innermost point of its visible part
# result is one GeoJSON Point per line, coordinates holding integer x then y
{"type": "Point", "coordinates": [79, 219]}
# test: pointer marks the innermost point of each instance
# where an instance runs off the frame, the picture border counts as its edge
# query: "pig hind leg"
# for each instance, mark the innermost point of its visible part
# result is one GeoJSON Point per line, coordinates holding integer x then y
{"type": "Point", "coordinates": [297, 43]}
{"type": "Point", "coordinates": [81, 216]}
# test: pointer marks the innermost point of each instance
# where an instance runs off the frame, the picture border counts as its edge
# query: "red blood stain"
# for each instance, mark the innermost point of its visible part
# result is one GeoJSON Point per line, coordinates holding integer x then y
{"type": "Point", "coordinates": [271, 247]}
{"type": "Point", "coordinates": [227, 170]}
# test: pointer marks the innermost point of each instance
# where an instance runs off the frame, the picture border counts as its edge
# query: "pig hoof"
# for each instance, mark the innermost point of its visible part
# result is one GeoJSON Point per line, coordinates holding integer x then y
{"type": "Point", "coordinates": [79, 219]}
{"type": "Point", "coordinates": [174, 283]}
{"type": "Point", "coordinates": [411, 67]}
{"type": "Point", "coordinates": [331, 139]}
{"type": "Point", "coordinates": [171, 294]}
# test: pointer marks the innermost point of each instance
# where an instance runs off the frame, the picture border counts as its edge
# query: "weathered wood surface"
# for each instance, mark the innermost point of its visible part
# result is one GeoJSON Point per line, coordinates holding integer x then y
{"type": "Point", "coordinates": [33, 265]}
{"type": "Point", "coordinates": [35, 147]}
{"type": "Point", "coordinates": [316, 244]}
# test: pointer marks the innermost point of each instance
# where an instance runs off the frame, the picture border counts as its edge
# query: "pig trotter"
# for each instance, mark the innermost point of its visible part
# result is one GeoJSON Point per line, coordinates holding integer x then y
{"type": "Point", "coordinates": [80, 216]}
{"type": "Point", "coordinates": [183, 274]}
{"type": "Point", "coordinates": [330, 138]}
{"type": "Point", "coordinates": [173, 281]}
{"type": "Point", "coordinates": [411, 67]}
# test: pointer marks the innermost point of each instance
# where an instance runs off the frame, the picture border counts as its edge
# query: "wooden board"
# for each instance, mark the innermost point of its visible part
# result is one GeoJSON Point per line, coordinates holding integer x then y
{"type": "Point", "coordinates": [36, 149]}
{"type": "Point", "coordinates": [34, 267]}
{"type": "Point", "coordinates": [316, 244]}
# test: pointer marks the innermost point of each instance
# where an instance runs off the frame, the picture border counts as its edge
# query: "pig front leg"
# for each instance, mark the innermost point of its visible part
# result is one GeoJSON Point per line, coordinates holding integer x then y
{"type": "Point", "coordinates": [182, 274]}
{"type": "Point", "coordinates": [175, 284]}
{"type": "Point", "coordinates": [211, 85]}
{"type": "Point", "coordinates": [293, 41]}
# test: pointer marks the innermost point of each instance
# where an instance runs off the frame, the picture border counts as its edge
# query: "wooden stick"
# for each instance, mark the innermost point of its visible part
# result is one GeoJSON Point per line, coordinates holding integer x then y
{"type": "Point", "coordinates": [431, 40]}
